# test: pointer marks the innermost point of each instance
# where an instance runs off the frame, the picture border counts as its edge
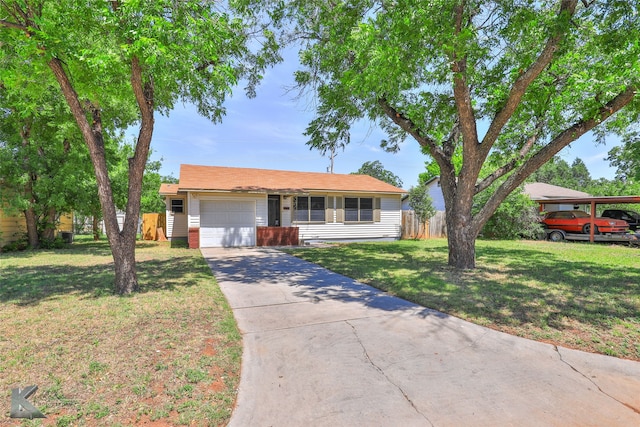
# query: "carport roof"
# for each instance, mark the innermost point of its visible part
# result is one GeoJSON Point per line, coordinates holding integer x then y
{"type": "Point", "coordinates": [597, 200]}
{"type": "Point", "coordinates": [218, 178]}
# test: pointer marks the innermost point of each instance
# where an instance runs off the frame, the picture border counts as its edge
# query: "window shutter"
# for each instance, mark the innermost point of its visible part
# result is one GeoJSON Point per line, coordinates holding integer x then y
{"type": "Point", "coordinates": [376, 209]}
{"type": "Point", "coordinates": [328, 214]}
{"type": "Point", "coordinates": [339, 210]}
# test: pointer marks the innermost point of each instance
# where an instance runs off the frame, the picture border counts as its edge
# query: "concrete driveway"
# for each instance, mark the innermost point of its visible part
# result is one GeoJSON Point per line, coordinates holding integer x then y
{"type": "Point", "coordinates": [323, 350]}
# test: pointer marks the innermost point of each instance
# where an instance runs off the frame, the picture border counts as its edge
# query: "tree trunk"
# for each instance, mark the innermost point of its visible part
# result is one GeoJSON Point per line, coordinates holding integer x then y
{"type": "Point", "coordinates": [30, 217]}
{"type": "Point", "coordinates": [32, 228]}
{"type": "Point", "coordinates": [462, 240]}
{"type": "Point", "coordinates": [123, 242]}
{"type": "Point", "coordinates": [124, 257]}
{"type": "Point", "coordinates": [95, 228]}
{"type": "Point", "coordinates": [49, 225]}
{"type": "Point", "coordinates": [122, 249]}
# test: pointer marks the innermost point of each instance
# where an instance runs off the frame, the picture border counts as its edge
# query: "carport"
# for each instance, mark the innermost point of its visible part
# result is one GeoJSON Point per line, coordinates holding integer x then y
{"type": "Point", "coordinates": [591, 201]}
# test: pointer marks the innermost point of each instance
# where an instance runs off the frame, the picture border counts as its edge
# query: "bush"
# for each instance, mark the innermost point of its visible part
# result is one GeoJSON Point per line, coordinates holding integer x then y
{"type": "Point", "coordinates": [421, 202]}
{"type": "Point", "coordinates": [21, 244]}
{"type": "Point", "coordinates": [55, 243]}
{"type": "Point", "coordinates": [516, 217]}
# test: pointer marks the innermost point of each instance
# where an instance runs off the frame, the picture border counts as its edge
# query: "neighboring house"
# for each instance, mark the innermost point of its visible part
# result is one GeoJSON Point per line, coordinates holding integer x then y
{"type": "Point", "coordinates": [120, 215]}
{"type": "Point", "coordinates": [223, 206]}
{"type": "Point", "coordinates": [546, 193]}
{"type": "Point", "coordinates": [435, 192]}
{"type": "Point", "coordinates": [14, 227]}
{"type": "Point", "coordinates": [537, 191]}
{"type": "Point", "coordinates": [437, 223]}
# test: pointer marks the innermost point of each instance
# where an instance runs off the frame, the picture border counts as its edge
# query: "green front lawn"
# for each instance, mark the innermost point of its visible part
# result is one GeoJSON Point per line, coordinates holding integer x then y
{"type": "Point", "coordinates": [576, 295]}
{"type": "Point", "coordinates": [168, 355]}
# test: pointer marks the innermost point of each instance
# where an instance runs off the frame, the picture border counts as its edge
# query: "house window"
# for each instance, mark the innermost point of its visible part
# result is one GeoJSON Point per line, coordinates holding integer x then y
{"type": "Point", "coordinates": [358, 209]}
{"type": "Point", "coordinates": [309, 209]}
{"type": "Point", "coordinates": [177, 206]}
{"type": "Point", "coordinates": [351, 209]}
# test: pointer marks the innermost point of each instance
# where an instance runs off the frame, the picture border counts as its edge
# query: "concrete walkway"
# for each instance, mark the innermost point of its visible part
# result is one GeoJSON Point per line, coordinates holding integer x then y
{"type": "Point", "coordinates": [323, 350]}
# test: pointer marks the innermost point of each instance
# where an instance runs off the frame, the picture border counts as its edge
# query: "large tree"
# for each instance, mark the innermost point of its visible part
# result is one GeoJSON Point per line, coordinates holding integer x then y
{"type": "Point", "coordinates": [38, 166]}
{"type": "Point", "coordinates": [377, 170]}
{"type": "Point", "coordinates": [558, 172]}
{"type": "Point", "coordinates": [112, 57]}
{"type": "Point", "coordinates": [510, 81]}
{"type": "Point", "coordinates": [626, 158]}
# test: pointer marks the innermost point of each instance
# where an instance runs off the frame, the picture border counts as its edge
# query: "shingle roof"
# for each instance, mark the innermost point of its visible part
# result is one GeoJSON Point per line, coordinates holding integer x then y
{"type": "Point", "coordinates": [217, 178]}
{"type": "Point", "coordinates": [169, 189]}
{"type": "Point", "coordinates": [541, 191]}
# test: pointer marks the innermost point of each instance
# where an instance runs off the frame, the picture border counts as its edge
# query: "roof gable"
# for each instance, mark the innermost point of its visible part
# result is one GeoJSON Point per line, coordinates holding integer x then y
{"type": "Point", "coordinates": [217, 178]}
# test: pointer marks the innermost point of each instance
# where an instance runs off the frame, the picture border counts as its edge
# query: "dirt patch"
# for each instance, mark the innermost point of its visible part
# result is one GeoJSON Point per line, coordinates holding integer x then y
{"type": "Point", "coordinates": [166, 356]}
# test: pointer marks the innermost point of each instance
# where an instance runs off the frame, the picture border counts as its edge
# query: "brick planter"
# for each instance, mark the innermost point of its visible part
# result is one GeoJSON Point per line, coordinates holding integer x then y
{"type": "Point", "coordinates": [277, 236]}
{"type": "Point", "coordinates": [194, 238]}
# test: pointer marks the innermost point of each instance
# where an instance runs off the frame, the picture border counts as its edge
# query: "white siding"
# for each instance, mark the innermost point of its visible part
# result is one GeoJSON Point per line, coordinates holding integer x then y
{"type": "Point", "coordinates": [435, 192]}
{"type": "Point", "coordinates": [286, 208]}
{"type": "Point", "coordinates": [262, 211]}
{"type": "Point", "coordinates": [389, 226]}
{"type": "Point", "coordinates": [176, 222]}
{"type": "Point", "coordinates": [193, 210]}
{"type": "Point", "coordinates": [176, 225]}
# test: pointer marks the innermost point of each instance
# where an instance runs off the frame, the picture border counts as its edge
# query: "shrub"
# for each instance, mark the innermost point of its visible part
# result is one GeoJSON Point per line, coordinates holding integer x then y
{"type": "Point", "coordinates": [515, 218]}
{"type": "Point", "coordinates": [55, 243]}
{"type": "Point", "coordinates": [21, 244]}
{"type": "Point", "coordinates": [421, 202]}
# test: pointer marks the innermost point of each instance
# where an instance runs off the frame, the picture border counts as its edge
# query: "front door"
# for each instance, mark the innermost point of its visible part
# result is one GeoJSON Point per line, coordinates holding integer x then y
{"type": "Point", "coordinates": [274, 211]}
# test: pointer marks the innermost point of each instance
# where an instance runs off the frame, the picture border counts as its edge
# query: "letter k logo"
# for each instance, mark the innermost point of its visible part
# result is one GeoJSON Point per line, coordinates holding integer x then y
{"type": "Point", "coordinates": [20, 407]}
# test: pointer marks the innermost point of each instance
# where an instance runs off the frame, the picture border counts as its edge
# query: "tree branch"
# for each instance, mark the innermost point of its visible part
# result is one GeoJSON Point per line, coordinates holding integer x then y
{"type": "Point", "coordinates": [525, 79]}
{"type": "Point", "coordinates": [552, 148]}
{"type": "Point", "coordinates": [511, 165]}
{"type": "Point", "coordinates": [94, 142]}
{"type": "Point", "coordinates": [8, 24]}
{"type": "Point", "coordinates": [15, 11]}
{"type": "Point", "coordinates": [462, 92]}
{"type": "Point", "coordinates": [410, 127]}
{"type": "Point", "coordinates": [144, 94]}
{"type": "Point", "coordinates": [449, 146]}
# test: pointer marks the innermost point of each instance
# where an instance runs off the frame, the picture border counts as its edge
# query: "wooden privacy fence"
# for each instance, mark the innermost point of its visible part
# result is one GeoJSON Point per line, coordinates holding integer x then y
{"type": "Point", "coordinates": [438, 225]}
{"type": "Point", "coordinates": [435, 227]}
{"type": "Point", "coordinates": [412, 228]}
{"type": "Point", "coordinates": [153, 226]}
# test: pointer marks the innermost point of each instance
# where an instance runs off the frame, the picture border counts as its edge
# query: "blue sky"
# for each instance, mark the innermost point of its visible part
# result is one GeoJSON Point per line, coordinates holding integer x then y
{"type": "Point", "coordinates": [267, 132]}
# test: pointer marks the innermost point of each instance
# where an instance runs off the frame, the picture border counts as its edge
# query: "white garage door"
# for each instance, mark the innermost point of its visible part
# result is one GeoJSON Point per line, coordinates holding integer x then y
{"type": "Point", "coordinates": [225, 223]}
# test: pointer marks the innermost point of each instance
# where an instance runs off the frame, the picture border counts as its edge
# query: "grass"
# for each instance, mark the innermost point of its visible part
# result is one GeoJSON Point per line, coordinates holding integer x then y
{"type": "Point", "coordinates": [575, 295]}
{"type": "Point", "coordinates": [169, 354]}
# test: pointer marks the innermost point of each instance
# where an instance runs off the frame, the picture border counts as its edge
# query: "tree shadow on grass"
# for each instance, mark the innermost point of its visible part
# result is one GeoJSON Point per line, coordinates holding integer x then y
{"type": "Point", "coordinates": [540, 288]}
{"type": "Point", "coordinates": [511, 287]}
{"type": "Point", "coordinates": [31, 285]}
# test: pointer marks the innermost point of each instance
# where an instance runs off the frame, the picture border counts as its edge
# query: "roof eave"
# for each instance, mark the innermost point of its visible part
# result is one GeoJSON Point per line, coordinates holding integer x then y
{"type": "Point", "coordinates": [286, 191]}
